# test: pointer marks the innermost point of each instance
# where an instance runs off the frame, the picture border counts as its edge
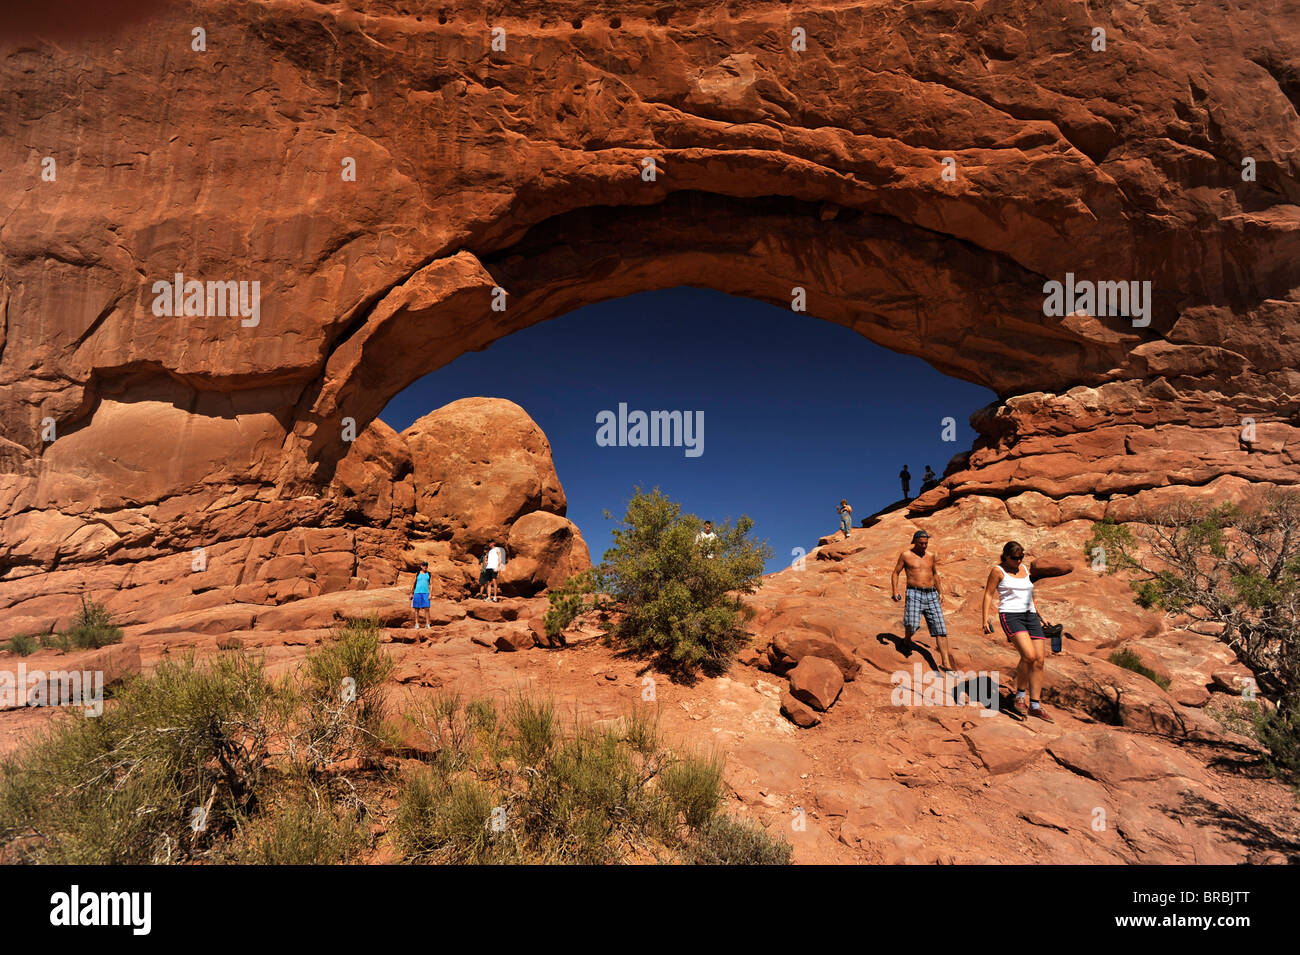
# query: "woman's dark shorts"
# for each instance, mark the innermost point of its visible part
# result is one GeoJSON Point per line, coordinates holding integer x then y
{"type": "Point", "coordinates": [1027, 622]}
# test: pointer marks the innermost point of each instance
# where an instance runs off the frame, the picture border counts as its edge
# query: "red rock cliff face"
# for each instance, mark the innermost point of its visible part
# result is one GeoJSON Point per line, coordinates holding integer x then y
{"type": "Point", "coordinates": [792, 148]}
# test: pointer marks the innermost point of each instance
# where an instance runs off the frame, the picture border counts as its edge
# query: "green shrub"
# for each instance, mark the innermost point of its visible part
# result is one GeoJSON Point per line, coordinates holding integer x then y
{"type": "Point", "coordinates": [1233, 573]}
{"type": "Point", "coordinates": [308, 831]}
{"type": "Point", "coordinates": [1235, 714]}
{"type": "Point", "coordinates": [446, 821]}
{"type": "Point", "coordinates": [344, 692]}
{"type": "Point", "coordinates": [694, 784]}
{"type": "Point", "coordinates": [1279, 731]}
{"type": "Point", "coordinates": [124, 787]}
{"type": "Point", "coordinates": [596, 795]}
{"type": "Point", "coordinates": [22, 645]}
{"type": "Point", "coordinates": [481, 715]}
{"type": "Point", "coordinates": [728, 841]}
{"type": "Point", "coordinates": [414, 829]}
{"type": "Point", "coordinates": [467, 821]}
{"type": "Point", "coordinates": [576, 595]}
{"type": "Point", "coordinates": [590, 789]}
{"type": "Point", "coordinates": [675, 600]}
{"type": "Point", "coordinates": [641, 730]}
{"type": "Point", "coordinates": [438, 719]}
{"type": "Point", "coordinates": [446, 704]}
{"type": "Point", "coordinates": [1129, 660]}
{"type": "Point", "coordinates": [198, 762]}
{"type": "Point", "coordinates": [534, 726]}
{"type": "Point", "coordinates": [91, 628]}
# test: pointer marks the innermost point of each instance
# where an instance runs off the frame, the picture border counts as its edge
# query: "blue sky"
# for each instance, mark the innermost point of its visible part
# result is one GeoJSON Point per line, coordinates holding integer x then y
{"type": "Point", "coordinates": [798, 412]}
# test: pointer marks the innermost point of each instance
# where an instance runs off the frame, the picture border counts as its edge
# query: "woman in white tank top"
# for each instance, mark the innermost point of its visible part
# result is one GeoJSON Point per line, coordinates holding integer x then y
{"type": "Point", "coordinates": [1013, 586]}
{"type": "Point", "coordinates": [1015, 593]}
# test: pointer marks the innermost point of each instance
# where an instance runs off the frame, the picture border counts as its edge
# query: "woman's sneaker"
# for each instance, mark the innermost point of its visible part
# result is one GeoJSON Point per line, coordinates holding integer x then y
{"type": "Point", "coordinates": [1041, 713]}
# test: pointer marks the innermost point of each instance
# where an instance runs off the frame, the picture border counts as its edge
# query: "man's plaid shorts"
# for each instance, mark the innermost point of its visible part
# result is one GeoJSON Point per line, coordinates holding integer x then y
{"type": "Point", "coordinates": [925, 603]}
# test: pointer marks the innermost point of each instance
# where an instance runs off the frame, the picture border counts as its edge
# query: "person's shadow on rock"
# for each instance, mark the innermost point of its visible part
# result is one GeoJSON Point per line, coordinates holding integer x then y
{"type": "Point", "coordinates": [907, 647]}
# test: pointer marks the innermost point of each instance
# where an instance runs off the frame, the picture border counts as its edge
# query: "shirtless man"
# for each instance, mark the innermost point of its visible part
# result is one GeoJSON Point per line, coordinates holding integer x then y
{"type": "Point", "coordinates": [924, 598]}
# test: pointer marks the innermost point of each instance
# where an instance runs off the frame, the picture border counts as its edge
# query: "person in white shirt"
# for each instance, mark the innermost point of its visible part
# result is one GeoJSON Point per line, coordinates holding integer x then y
{"type": "Point", "coordinates": [1011, 583]}
{"type": "Point", "coordinates": [492, 566]}
{"type": "Point", "coordinates": [707, 539]}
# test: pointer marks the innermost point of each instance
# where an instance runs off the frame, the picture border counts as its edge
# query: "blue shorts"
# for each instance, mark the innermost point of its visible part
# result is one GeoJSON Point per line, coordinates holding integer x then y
{"type": "Point", "coordinates": [1025, 622]}
{"type": "Point", "coordinates": [419, 601]}
{"type": "Point", "coordinates": [923, 603]}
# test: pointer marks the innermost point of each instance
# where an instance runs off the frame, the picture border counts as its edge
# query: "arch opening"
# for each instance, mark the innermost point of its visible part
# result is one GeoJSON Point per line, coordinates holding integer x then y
{"type": "Point", "coordinates": [783, 411]}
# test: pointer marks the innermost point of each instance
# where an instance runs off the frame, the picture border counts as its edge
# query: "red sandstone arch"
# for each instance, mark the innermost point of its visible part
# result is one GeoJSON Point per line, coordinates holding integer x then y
{"type": "Point", "coordinates": [522, 168]}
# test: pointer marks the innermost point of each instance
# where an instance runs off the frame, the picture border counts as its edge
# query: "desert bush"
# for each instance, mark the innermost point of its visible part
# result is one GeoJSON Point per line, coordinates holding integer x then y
{"type": "Point", "coordinates": [1129, 660]}
{"type": "Point", "coordinates": [1279, 731]}
{"type": "Point", "coordinates": [535, 728]}
{"type": "Point", "coordinates": [343, 693]}
{"type": "Point", "coordinates": [575, 596]}
{"type": "Point", "coordinates": [23, 644]}
{"type": "Point", "coordinates": [482, 715]}
{"type": "Point", "coordinates": [675, 601]}
{"type": "Point", "coordinates": [588, 793]}
{"type": "Point", "coordinates": [694, 784]}
{"type": "Point", "coordinates": [156, 778]}
{"type": "Point", "coordinates": [91, 628]}
{"type": "Point", "coordinates": [1235, 574]}
{"type": "Point", "coordinates": [1235, 714]}
{"type": "Point", "coordinates": [641, 729]}
{"type": "Point", "coordinates": [728, 841]}
{"type": "Point", "coordinates": [446, 820]}
{"type": "Point", "coordinates": [309, 830]}
{"type": "Point", "coordinates": [597, 794]}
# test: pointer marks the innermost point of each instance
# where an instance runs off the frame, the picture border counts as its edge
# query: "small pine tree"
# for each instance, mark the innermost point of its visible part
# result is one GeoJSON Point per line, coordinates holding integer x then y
{"type": "Point", "coordinates": [679, 599]}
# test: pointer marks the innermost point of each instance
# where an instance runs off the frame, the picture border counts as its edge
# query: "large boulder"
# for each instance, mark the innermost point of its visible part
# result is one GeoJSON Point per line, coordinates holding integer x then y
{"type": "Point", "coordinates": [790, 647]}
{"type": "Point", "coordinates": [800, 714]}
{"type": "Point", "coordinates": [480, 464]}
{"type": "Point", "coordinates": [545, 550]}
{"type": "Point", "coordinates": [816, 682]}
{"type": "Point", "coordinates": [375, 478]}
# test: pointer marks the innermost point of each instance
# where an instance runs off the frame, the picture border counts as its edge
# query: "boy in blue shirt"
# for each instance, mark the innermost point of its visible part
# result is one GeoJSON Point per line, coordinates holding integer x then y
{"type": "Point", "coordinates": [420, 597]}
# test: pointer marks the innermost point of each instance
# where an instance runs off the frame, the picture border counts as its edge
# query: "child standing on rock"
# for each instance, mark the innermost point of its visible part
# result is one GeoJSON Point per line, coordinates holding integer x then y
{"type": "Point", "coordinates": [420, 597]}
{"type": "Point", "coordinates": [845, 511]}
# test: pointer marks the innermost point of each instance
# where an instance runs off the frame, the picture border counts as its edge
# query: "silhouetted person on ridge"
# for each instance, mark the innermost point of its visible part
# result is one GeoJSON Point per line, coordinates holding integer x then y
{"type": "Point", "coordinates": [906, 477]}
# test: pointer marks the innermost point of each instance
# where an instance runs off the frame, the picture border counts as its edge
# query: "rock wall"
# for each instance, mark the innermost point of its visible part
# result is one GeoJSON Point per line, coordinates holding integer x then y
{"type": "Point", "coordinates": [475, 469]}
{"type": "Point", "coordinates": [379, 169]}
